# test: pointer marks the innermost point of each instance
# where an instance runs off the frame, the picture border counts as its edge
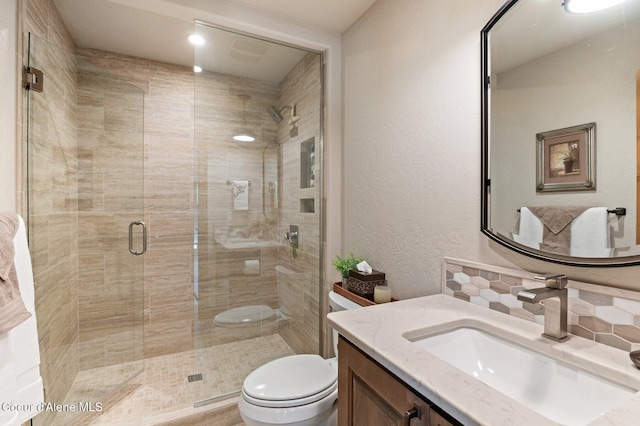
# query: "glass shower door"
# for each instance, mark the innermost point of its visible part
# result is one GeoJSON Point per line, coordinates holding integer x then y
{"type": "Point", "coordinates": [257, 115]}
{"type": "Point", "coordinates": [85, 165]}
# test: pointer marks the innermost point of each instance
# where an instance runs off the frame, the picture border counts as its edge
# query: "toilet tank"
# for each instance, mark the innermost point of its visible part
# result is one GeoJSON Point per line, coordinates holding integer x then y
{"type": "Point", "coordinates": [339, 303]}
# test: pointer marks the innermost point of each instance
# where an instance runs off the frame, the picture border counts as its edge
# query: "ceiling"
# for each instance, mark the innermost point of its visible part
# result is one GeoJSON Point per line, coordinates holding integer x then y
{"type": "Point", "coordinates": [536, 28]}
{"type": "Point", "coordinates": [158, 30]}
{"type": "Point", "coordinates": [333, 16]}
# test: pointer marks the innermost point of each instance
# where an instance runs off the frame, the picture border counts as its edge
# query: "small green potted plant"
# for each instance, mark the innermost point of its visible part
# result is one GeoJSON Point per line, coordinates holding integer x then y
{"type": "Point", "coordinates": [345, 264]}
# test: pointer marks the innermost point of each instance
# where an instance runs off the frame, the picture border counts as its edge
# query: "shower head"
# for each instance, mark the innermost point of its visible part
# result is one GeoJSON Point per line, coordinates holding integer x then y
{"type": "Point", "coordinates": [275, 114]}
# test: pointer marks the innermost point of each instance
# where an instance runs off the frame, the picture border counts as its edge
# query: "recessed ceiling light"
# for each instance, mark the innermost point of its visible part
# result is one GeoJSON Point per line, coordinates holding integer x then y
{"type": "Point", "coordinates": [196, 40]}
{"type": "Point", "coordinates": [244, 138]}
{"type": "Point", "coordinates": [197, 68]}
{"type": "Point", "coordinates": [588, 6]}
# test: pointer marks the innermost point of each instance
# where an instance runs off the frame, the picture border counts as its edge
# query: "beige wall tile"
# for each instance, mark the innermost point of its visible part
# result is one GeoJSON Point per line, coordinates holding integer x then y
{"type": "Point", "coordinates": [161, 338]}
{"type": "Point", "coordinates": [130, 69]}
{"type": "Point", "coordinates": [123, 112]}
{"type": "Point", "coordinates": [168, 118]}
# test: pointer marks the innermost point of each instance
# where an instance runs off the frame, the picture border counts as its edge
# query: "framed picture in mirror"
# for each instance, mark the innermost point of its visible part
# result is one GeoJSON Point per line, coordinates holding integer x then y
{"type": "Point", "coordinates": [566, 159]}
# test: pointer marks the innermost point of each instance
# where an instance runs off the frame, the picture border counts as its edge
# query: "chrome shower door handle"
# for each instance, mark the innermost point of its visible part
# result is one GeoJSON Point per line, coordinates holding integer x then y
{"type": "Point", "coordinates": [144, 237]}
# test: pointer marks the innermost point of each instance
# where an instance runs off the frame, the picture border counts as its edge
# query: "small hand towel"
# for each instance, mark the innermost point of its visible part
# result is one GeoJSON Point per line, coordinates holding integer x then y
{"type": "Point", "coordinates": [556, 220]}
{"type": "Point", "coordinates": [12, 308]}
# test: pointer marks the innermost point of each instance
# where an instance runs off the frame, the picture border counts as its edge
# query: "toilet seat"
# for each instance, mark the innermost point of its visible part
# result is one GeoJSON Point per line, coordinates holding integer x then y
{"type": "Point", "coordinates": [292, 402]}
{"type": "Point", "coordinates": [244, 315]}
{"type": "Point", "coordinates": [290, 382]}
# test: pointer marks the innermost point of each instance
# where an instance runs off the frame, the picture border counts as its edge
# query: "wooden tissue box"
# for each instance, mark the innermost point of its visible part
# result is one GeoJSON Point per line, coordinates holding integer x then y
{"type": "Point", "coordinates": [363, 284]}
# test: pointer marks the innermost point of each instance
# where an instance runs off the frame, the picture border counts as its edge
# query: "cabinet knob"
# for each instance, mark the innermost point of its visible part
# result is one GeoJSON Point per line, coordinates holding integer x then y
{"type": "Point", "coordinates": [414, 413]}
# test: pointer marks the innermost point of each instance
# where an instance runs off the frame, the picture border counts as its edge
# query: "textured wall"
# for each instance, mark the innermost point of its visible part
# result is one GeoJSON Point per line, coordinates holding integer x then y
{"type": "Point", "coordinates": [412, 145]}
{"type": "Point", "coordinates": [412, 129]}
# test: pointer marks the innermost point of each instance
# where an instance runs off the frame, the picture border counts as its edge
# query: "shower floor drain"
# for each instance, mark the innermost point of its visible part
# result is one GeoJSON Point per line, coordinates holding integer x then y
{"type": "Point", "coordinates": [194, 377]}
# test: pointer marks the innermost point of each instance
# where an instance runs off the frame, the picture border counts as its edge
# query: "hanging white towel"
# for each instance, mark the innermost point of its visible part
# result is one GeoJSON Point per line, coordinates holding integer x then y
{"type": "Point", "coordinates": [530, 231]}
{"type": "Point", "coordinates": [19, 350]}
{"type": "Point", "coordinates": [9, 388]}
{"type": "Point", "coordinates": [240, 195]}
{"type": "Point", "coordinates": [590, 235]}
{"type": "Point", "coordinates": [12, 309]}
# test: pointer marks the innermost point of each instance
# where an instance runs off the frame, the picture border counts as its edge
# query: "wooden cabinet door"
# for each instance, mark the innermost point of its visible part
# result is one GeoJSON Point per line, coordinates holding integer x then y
{"type": "Point", "coordinates": [370, 395]}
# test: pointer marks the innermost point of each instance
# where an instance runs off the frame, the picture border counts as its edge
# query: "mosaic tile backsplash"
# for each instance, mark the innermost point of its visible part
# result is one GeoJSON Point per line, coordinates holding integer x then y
{"type": "Point", "coordinates": [607, 315]}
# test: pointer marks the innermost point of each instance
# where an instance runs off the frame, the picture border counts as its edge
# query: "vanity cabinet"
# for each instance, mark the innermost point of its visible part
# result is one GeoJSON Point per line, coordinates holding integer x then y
{"type": "Point", "coordinates": [371, 395]}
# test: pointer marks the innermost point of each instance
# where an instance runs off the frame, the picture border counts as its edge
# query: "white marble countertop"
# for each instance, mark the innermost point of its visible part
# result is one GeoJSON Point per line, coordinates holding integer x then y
{"type": "Point", "coordinates": [378, 331]}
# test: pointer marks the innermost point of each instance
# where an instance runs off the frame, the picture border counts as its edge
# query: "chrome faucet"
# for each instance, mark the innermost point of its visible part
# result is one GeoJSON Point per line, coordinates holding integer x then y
{"type": "Point", "coordinates": [292, 236]}
{"type": "Point", "coordinates": [555, 298]}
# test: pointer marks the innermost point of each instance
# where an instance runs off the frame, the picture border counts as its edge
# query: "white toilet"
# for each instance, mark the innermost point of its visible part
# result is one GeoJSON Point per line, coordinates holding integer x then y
{"type": "Point", "coordinates": [300, 390]}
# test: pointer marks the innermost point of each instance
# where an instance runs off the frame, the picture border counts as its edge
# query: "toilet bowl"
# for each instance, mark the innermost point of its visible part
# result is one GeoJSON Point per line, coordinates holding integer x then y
{"type": "Point", "coordinates": [245, 315]}
{"type": "Point", "coordinates": [300, 390]}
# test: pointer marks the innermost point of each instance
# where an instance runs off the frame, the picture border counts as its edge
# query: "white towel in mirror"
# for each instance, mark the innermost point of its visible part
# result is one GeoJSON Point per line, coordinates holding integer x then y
{"type": "Point", "coordinates": [590, 235]}
{"type": "Point", "coordinates": [530, 230]}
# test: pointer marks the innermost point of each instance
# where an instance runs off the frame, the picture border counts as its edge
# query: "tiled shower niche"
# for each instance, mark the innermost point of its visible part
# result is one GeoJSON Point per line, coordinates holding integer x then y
{"type": "Point", "coordinates": [307, 163]}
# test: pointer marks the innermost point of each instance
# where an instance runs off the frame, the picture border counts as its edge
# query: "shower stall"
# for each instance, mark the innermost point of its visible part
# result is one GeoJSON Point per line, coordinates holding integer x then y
{"type": "Point", "coordinates": [162, 273]}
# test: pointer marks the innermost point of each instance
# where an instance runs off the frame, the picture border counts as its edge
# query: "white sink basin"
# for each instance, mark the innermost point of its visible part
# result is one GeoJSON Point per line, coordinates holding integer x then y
{"type": "Point", "coordinates": [557, 390]}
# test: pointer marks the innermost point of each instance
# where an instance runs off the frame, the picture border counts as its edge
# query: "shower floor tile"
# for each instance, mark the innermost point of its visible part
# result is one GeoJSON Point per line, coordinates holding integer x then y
{"type": "Point", "coordinates": [163, 390]}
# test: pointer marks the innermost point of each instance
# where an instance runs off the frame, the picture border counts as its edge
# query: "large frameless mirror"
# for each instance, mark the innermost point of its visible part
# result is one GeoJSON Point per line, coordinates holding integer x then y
{"type": "Point", "coordinates": [560, 131]}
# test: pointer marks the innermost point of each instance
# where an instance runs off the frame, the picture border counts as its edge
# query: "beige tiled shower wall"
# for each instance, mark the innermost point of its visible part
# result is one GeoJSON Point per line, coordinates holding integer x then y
{"type": "Point", "coordinates": [110, 197]}
{"type": "Point", "coordinates": [298, 281]}
{"type": "Point", "coordinates": [165, 106]}
{"type": "Point", "coordinates": [53, 202]}
{"type": "Point", "coordinates": [173, 117]}
{"type": "Point", "coordinates": [231, 274]}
